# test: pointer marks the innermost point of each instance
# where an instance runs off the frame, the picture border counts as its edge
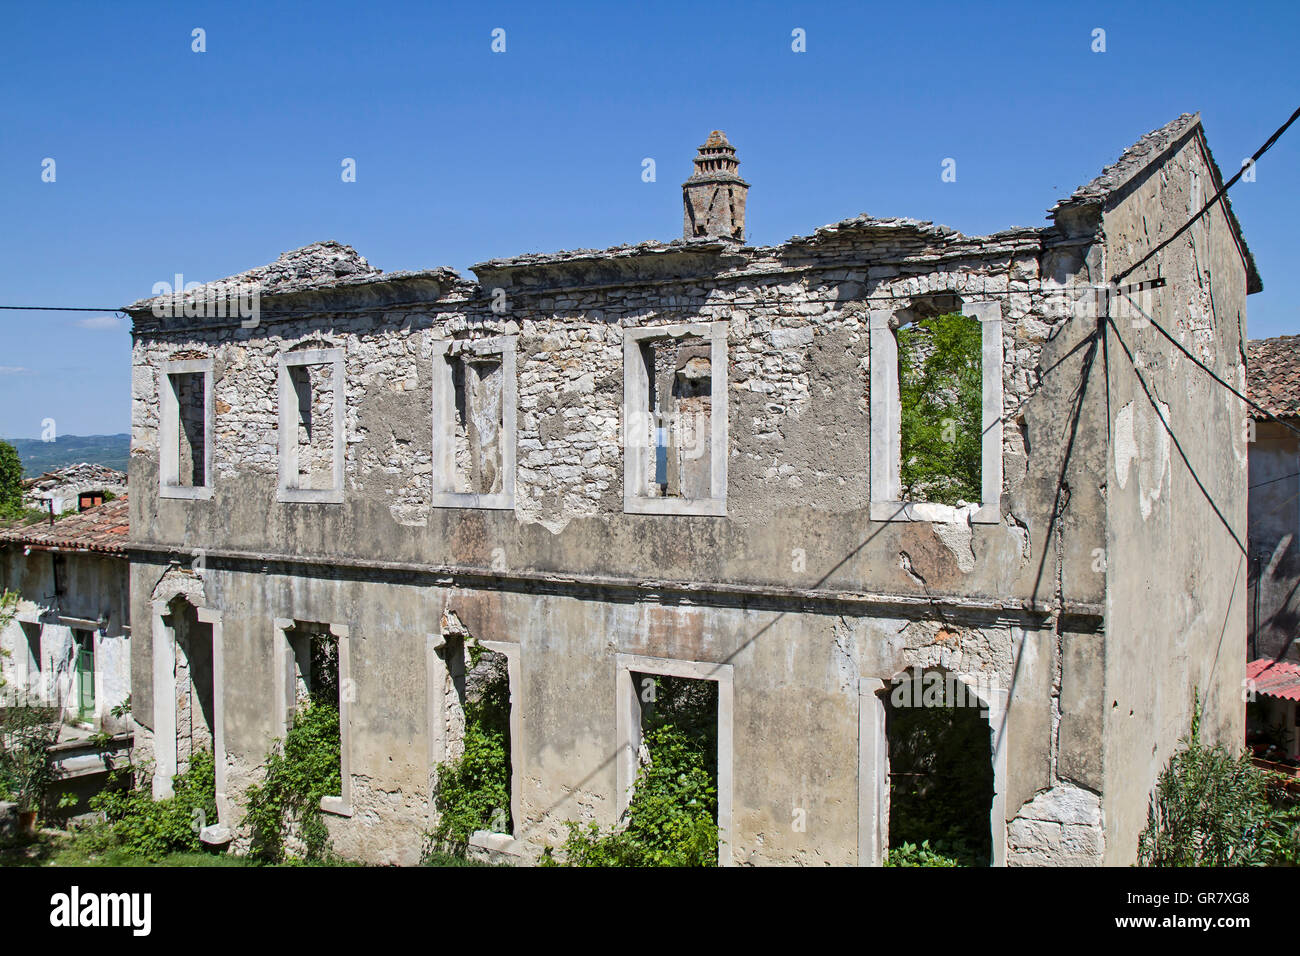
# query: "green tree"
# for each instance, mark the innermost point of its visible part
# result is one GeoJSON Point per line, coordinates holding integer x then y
{"type": "Point", "coordinates": [1211, 808]}
{"type": "Point", "coordinates": [940, 387]}
{"type": "Point", "coordinates": [11, 480]}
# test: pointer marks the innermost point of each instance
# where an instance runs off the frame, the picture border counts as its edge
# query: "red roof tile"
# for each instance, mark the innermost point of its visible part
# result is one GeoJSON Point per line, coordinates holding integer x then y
{"type": "Point", "coordinates": [103, 528]}
{"type": "Point", "coordinates": [1275, 678]}
{"type": "Point", "coordinates": [1273, 374]}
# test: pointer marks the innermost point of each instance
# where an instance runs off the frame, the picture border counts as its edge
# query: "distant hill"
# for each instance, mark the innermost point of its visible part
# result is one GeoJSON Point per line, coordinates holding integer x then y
{"type": "Point", "coordinates": [39, 456]}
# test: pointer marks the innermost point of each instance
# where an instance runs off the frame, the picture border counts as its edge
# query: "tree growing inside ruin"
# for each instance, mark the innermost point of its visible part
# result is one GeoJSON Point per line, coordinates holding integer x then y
{"type": "Point", "coordinates": [940, 389]}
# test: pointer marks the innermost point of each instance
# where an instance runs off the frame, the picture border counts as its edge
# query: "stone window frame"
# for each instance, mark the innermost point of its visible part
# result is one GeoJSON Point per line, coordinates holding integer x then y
{"type": "Point", "coordinates": [288, 426]}
{"type": "Point", "coordinates": [285, 698]}
{"type": "Point", "coordinates": [873, 765]}
{"type": "Point", "coordinates": [164, 702]}
{"type": "Point", "coordinates": [886, 422]}
{"type": "Point", "coordinates": [444, 423]}
{"type": "Point", "coordinates": [629, 733]}
{"type": "Point", "coordinates": [636, 400]}
{"type": "Point", "coordinates": [169, 430]}
{"type": "Point", "coordinates": [436, 674]}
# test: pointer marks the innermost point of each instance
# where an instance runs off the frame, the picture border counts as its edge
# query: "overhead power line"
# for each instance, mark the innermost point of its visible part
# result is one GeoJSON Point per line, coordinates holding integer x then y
{"type": "Point", "coordinates": [52, 308]}
{"type": "Point", "coordinates": [1277, 134]}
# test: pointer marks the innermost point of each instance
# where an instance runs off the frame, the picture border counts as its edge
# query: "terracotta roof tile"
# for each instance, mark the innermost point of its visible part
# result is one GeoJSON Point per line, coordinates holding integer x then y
{"type": "Point", "coordinates": [103, 528]}
{"type": "Point", "coordinates": [1273, 374]}
{"type": "Point", "coordinates": [1275, 678]}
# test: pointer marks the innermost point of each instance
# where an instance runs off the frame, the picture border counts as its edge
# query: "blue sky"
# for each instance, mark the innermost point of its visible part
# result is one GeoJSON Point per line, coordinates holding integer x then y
{"type": "Point", "coordinates": [210, 163]}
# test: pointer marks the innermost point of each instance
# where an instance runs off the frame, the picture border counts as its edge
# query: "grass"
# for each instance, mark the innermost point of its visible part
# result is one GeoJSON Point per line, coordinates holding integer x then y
{"type": "Point", "coordinates": [94, 846]}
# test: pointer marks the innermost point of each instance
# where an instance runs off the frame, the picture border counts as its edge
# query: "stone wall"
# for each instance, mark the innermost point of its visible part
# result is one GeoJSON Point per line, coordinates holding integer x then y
{"type": "Point", "coordinates": [796, 590]}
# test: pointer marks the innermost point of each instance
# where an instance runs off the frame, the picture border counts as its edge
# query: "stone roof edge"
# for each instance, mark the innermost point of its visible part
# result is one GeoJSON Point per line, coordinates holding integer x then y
{"type": "Point", "coordinates": [1107, 187]}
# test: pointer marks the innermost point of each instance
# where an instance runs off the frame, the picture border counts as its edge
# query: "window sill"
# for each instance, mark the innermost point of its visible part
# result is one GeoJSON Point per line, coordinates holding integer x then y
{"type": "Point", "coordinates": [934, 512]}
{"type": "Point", "coordinates": [496, 842]}
{"type": "Point", "coordinates": [707, 507]}
{"type": "Point", "coordinates": [336, 805]}
{"type": "Point", "coordinates": [453, 499]}
{"type": "Point", "coordinates": [332, 496]}
{"type": "Point", "coordinates": [188, 492]}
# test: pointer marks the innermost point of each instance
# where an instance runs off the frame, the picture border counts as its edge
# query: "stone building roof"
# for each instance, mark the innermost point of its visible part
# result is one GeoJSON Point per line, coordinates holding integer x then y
{"type": "Point", "coordinates": [1133, 162]}
{"type": "Point", "coordinates": [104, 528]}
{"type": "Point", "coordinates": [329, 265]}
{"type": "Point", "coordinates": [1273, 374]}
{"type": "Point", "coordinates": [71, 479]}
{"type": "Point", "coordinates": [321, 265]}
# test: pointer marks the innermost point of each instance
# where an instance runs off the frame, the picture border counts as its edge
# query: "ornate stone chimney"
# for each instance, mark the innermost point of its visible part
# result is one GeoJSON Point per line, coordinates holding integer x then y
{"type": "Point", "coordinates": [714, 196]}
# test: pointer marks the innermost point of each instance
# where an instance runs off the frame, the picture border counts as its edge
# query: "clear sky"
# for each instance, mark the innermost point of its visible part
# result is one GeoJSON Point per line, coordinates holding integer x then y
{"type": "Point", "coordinates": [170, 161]}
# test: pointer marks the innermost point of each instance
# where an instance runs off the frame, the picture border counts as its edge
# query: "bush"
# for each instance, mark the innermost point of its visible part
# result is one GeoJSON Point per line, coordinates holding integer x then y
{"type": "Point", "coordinates": [300, 770]}
{"type": "Point", "coordinates": [25, 771]}
{"type": "Point", "coordinates": [1210, 808]}
{"type": "Point", "coordinates": [672, 818]}
{"type": "Point", "coordinates": [909, 854]}
{"type": "Point", "coordinates": [473, 790]}
{"type": "Point", "coordinates": [140, 825]}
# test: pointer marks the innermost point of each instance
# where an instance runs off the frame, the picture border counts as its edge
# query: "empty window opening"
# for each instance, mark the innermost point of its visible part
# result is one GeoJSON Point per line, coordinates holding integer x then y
{"type": "Point", "coordinates": [313, 393]}
{"type": "Point", "coordinates": [941, 781]}
{"type": "Point", "coordinates": [478, 381]}
{"type": "Point", "coordinates": [191, 408]}
{"type": "Point", "coordinates": [679, 414]}
{"type": "Point", "coordinates": [474, 410]}
{"type": "Point", "coordinates": [83, 649]}
{"type": "Point", "coordinates": [32, 683]}
{"type": "Point", "coordinates": [940, 386]}
{"type": "Point", "coordinates": [194, 683]}
{"type": "Point", "coordinates": [672, 817]}
{"type": "Point", "coordinates": [474, 783]}
{"type": "Point", "coordinates": [315, 663]}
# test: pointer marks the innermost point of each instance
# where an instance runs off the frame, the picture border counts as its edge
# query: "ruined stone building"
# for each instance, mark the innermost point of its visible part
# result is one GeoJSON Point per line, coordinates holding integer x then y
{"type": "Point", "coordinates": [685, 458]}
{"type": "Point", "coordinates": [69, 644]}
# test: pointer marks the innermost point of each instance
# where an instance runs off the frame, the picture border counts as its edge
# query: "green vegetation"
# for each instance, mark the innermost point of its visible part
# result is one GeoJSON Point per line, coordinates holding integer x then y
{"type": "Point", "coordinates": [473, 790]}
{"type": "Point", "coordinates": [8, 607]}
{"type": "Point", "coordinates": [140, 827]}
{"type": "Point", "coordinates": [909, 854]}
{"type": "Point", "coordinates": [672, 819]}
{"type": "Point", "coordinates": [1211, 808]}
{"type": "Point", "coordinates": [11, 481]}
{"type": "Point", "coordinates": [95, 847]}
{"type": "Point", "coordinates": [25, 771]}
{"type": "Point", "coordinates": [941, 409]}
{"type": "Point", "coordinates": [941, 785]}
{"type": "Point", "coordinates": [300, 770]}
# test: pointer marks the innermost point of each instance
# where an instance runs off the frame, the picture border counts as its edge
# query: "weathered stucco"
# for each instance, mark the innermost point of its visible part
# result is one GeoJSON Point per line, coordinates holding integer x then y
{"type": "Point", "coordinates": [795, 587]}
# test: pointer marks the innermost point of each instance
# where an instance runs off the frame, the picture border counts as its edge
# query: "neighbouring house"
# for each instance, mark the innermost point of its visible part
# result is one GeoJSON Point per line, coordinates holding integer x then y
{"type": "Point", "coordinates": [1273, 713]}
{"type": "Point", "coordinates": [69, 642]}
{"type": "Point", "coordinates": [690, 460]}
{"type": "Point", "coordinates": [72, 487]}
{"type": "Point", "coordinates": [1273, 605]}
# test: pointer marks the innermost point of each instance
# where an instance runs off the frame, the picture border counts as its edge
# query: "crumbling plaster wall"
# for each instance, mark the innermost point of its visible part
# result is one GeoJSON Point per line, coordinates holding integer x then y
{"type": "Point", "coordinates": [1273, 600]}
{"type": "Point", "coordinates": [92, 587]}
{"type": "Point", "coordinates": [1175, 626]}
{"type": "Point", "coordinates": [795, 669]}
{"type": "Point", "coordinates": [799, 432]}
{"type": "Point", "coordinates": [797, 529]}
